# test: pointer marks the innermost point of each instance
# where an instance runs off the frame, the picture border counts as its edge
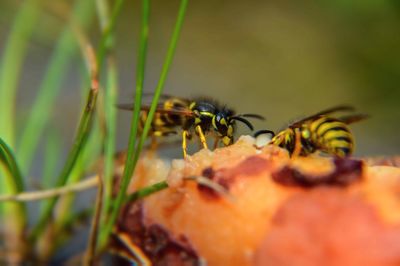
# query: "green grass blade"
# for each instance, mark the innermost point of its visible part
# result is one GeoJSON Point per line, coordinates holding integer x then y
{"type": "Point", "coordinates": [85, 125]}
{"type": "Point", "coordinates": [107, 37]}
{"type": "Point", "coordinates": [133, 158]}
{"type": "Point", "coordinates": [80, 141]}
{"type": "Point", "coordinates": [128, 170]}
{"type": "Point", "coordinates": [107, 25]}
{"type": "Point", "coordinates": [14, 214]}
{"type": "Point", "coordinates": [14, 53]}
{"type": "Point", "coordinates": [88, 156]}
{"type": "Point", "coordinates": [109, 149]}
{"type": "Point", "coordinates": [161, 82]}
{"type": "Point", "coordinates": [16, 218]}
{"type": "Point", "coordinates": [147, 191]}
{"type": "Point", "coordinates": [8, 159]}
{"type": "Point", "coordinates": [50, 86]}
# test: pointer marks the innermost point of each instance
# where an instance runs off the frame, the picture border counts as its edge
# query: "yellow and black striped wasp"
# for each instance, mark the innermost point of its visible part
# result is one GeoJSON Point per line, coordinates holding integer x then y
{"type": "Point", "coordinates": [200, 116]}
{"type": "Point", "coordinates": [318, 132]}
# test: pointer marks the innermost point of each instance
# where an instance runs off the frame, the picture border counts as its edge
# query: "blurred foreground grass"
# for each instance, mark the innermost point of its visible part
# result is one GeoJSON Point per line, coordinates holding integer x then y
{"type": "Point", "coordinates": [95, 131]}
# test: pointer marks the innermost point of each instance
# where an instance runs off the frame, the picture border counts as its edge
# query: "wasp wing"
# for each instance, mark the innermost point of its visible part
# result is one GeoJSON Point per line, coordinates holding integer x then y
{"type": "Point", "coordinates": [349, 119]}
{"type": "Point", "coordinates": [159, 109]}
{"type": "Point", "coordinates": [342, 108]}
{"type": "Point", "coordinates": [148, 97]}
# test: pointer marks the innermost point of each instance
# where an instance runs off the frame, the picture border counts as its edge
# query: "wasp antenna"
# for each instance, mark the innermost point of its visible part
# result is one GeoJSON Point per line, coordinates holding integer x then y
{"type": "Point", "coordinates": [264, 131]}
{"type": "Point", "coordinates": [244, 121]}
{"type": "Point", "coordinates": [256, 116]}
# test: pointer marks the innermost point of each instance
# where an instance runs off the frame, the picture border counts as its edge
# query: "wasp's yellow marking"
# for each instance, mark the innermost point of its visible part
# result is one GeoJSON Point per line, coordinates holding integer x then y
{"type": "Point", "coordinates": [207, 114]}
{"type": "Point", "coordinates": [227, 140]}
{"type": "Point", "coordinates": [213, 122]}
{"type": "Point", "coordinates": [230, 131]}
{"type": "Point", "coordinates": [222, 121]}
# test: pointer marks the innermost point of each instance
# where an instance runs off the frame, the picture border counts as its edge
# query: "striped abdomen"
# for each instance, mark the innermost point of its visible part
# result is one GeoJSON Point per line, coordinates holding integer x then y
{"type": "Point", "coordinates": [164, 123]}
{"type": "Point", "coordinates": [330, 135]}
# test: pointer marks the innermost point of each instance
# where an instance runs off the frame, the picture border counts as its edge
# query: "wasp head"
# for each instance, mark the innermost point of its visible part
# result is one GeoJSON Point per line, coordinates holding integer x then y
{"type": "Point", "coordinates": [223, 125]}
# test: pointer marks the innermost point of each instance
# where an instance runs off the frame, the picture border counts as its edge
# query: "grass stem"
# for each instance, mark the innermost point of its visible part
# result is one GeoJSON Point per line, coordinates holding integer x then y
{"type": "Point", "coordinates": [133, 154]}
{"type": "Point", "coordinates": [129, 167]}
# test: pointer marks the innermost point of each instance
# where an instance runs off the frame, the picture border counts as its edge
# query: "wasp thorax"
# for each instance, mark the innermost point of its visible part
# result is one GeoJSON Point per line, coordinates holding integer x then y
{"type": "Point", "coordinates": [203, 113]}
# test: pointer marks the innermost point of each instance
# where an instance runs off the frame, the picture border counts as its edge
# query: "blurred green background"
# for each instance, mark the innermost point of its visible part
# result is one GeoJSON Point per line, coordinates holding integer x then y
{"type": "Point", "coordinates": [282, 59]}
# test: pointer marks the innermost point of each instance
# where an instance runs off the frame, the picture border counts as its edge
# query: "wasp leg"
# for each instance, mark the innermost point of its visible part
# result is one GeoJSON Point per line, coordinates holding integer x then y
{"type": "Point", "coordinates": [201, 136]}
{"type": "Point", "coordinates": [297, 144]}
{"type": "Point", "coordinates": [216, 142]}
{"type": "Point", "coordinates": [185, 134]}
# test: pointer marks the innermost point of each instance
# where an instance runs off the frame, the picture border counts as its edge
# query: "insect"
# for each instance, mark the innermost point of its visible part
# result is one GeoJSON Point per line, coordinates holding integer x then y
{"type": "Point", "coordinates": [318, 132]}
{"type": "Point", "coordinates": [200, 116]}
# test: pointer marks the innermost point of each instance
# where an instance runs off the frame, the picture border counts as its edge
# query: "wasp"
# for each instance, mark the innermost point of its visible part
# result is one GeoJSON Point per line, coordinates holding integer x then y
{"type": "Point", "coordinates": [199, 116]}
{"type": "Point", "coordinates": [318, 132]}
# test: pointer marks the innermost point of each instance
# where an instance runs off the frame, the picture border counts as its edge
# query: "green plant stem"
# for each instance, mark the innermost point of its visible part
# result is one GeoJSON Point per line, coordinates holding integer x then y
{"type": "Point", "coordinates": [14, 53]}
{"type": "Point", "coordinates": [8, 159]}
{"type": "Point", "coordinates": [107, 37]}
{"type": "Point", "coordinates": [80, 141]}
{"type": "Point", "coordinates": [109, 149]}
{"type": "Point", "coordinates": [89, 258]}
{"type": "Point", "coordinates": [15, 219]}
{"type": "Point", "coordinates": [107, 26]}
{"type": "Point", "coordinates": [87, 157]}
{"type": "Point", "coordinates": [50, 86]}
{"type": "Point", "coordinates": [105, 45]}
{"type": "Point", "coordinates": [14, 180]}
{"type": "Point", "coordinates": [13, 215]}
{"type": "Point", "coordinates": [144, 192]}
{"type": "Point", "coordinates": [133, 155]}
{"type": "Point", "coordinates": [128, 170]}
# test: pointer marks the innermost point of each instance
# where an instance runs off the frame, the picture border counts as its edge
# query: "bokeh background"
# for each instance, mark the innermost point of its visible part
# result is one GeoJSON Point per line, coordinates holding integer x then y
{"type": "Point", "coordinates": [282, 59]}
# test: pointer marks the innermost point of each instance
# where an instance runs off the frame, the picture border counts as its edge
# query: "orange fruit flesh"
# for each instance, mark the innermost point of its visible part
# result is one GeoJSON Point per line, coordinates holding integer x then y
{"type": "Point", "coordinates": [326, 212]}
